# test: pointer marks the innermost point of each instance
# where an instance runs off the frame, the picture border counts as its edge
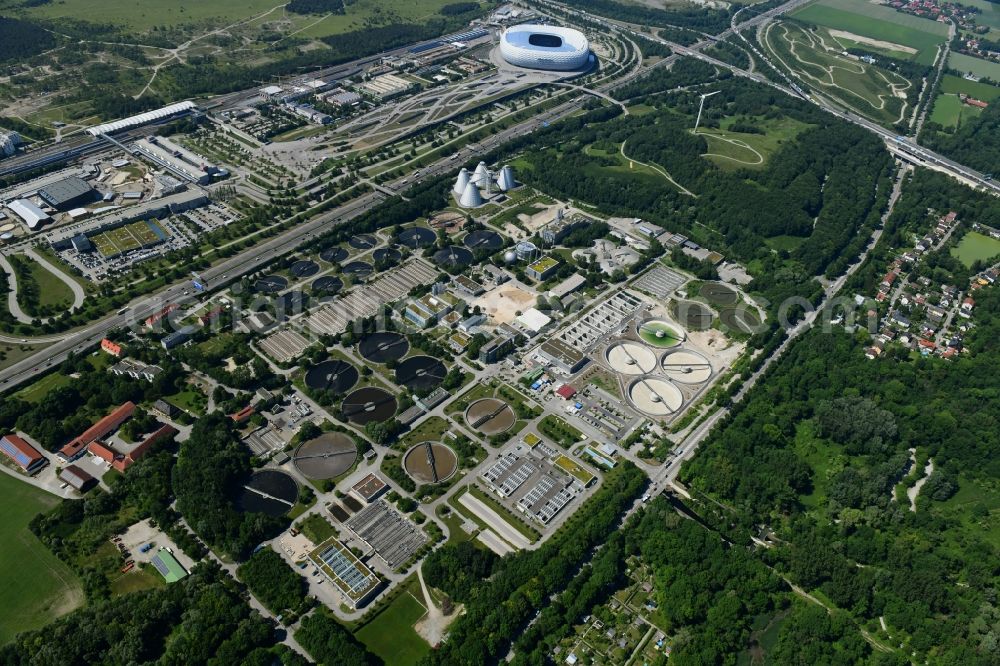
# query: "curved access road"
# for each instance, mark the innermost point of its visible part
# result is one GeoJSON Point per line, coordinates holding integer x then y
{"type": "Point", "coordinates": [74, 286]}
{"type": "Point", "coordinates": [12, 303]}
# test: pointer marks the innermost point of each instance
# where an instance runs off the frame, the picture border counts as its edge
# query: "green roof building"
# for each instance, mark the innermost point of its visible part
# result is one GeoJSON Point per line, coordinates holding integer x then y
{"type": "Point", "coordinates": [168, 566]}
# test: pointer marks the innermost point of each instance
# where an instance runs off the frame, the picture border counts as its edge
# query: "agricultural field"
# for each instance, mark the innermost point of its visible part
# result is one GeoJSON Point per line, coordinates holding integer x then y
{"type": "Point", "coordinates": [950, 111]}
{"type": "Point", "coordinates": [977, 66]}
{"type": "Point", "coordinates": [876, 22]}
{"type": "Point", "coordinates": [129, 237]}
{"type": "Point", "coordinates": [815, 58]}
{"type": "Point", "coordinates": [736, 150]}
{"type": "Point", "coordinates": [956, 84]}
{"type": "Point", "coordinates": [975, 247]}
{"type": "Point", "coordinates": [35, 585]}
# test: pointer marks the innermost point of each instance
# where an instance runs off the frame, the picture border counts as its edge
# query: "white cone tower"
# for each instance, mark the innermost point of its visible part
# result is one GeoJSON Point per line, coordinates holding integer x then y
{"type": "Point", "coordinates": [470, 197]}
{"type": "Point", "coordinates": [506, 180]}
{"type": "Point", "coordinates": [481, 174]}
{"type": "Point", "coordinates": [461, 182]}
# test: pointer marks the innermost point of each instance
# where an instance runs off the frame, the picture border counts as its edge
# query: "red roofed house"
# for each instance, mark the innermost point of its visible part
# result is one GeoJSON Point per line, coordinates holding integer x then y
{"type": "Point", "coordinates": [122, 462]}
{"type": "Point", "coordinates": [154, 319]}
{"type": "Point", "coordinates": [889, 278]}
{"type": "Point", "coordinates": [972, 101]}
{"type": "Point", "coordinates": [112, 348]}
{"type": "Point", "coordinates": [242, 415]}
{"type": "Point", "coordinates": [75, 448]}
{"type": "Point", "coordinates": [23, 455]}
{"type": "Point", "coordinates": [929, 345]}
{"type": "Point", "coordinates": [566, 391]}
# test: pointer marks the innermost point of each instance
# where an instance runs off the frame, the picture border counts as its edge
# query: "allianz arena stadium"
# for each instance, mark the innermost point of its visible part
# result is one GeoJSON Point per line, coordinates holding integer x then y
{"type": "Point", "coordinates": [545, 47]}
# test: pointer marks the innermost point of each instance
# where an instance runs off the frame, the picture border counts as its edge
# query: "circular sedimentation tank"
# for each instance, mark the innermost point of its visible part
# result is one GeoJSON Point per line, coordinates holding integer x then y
{"type": "Point", "coordinates": [654, 396]}
{"type": "Point", "coordinates": [686, 367]}
{"type": "Point", "coordinates": [304, 268]}
{"type": "Point", "coordinates": [327, 284]}
{"type": "Point", "coordinates": [386, 254]}
{"type": "Point", "coordinates": [659, 333]}
{"type": "Point", "coordinates": [270, 284]}
{"type": "Point", "coordinates": [325, 457]}
{"type": "Point", "coordinates": [718, 293]}
{"type": "Point", "coordinates": [383, 347]}
{"type": "Point", "coordinates": [693, 315]}
{"type": "Point", "coordinates": [363, 242]}
{"type": "Point", "coordinates": [268, 491]}
{"type": "Point", "coordinates": [333, 375]}
{"type": "Point", "coordinates": [420, 373]}
{"type": "Point", "coordinates": [417, 237]}
{"type": "Point", "coordinates": [630, 358]}
{"type": "Point", "coordinates": [334, 255]}
{"type": "Point", "coordinates": [742, 318]}
{"type": "Point", "coordinates": [367, 405]}
{"type": "Point", "coordinates": [490, 416]}
{"type": "Point", "coordinates": [453, 256]}
{"type": "Point", "coordinates": [358, 268]}
{"type": "Point", "coordinates": [430, 462]}
{"type": "Point", "coordinates": [483, 239]}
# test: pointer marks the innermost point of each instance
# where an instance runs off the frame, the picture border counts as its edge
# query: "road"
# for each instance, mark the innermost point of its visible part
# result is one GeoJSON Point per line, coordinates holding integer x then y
{"type": "Point", "coordinates": [667, 474]}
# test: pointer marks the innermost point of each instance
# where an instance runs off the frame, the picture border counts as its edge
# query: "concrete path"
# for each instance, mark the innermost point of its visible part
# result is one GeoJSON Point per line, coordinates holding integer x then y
{"type": "Point", "coordinates": [12, 304]}
{"type": "Point", "coordinates": [15, 307]}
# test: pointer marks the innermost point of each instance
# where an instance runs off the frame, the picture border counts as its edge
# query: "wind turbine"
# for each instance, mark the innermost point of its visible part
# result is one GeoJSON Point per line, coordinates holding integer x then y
{"type": "Point", "coordinates": [700, 107]}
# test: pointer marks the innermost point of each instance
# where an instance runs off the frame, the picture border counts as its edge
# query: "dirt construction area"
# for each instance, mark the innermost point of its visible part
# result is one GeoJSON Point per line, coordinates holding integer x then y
{"type": "Point", "coordinates": [502, 304]}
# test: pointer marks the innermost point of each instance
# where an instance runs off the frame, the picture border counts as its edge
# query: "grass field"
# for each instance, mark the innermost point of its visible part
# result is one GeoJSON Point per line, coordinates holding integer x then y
{"type": "Point", "coordinates": [51, 290]}
{"type": "Point", "coordinates": [814, 57]}
{"type": "Point", "coordinates": [956, 84]}
{"type": "Point", "coordinates": [877, 22]}
{"type": "Point", "coordinates": [950, 111]}
{"type": "Point", "coordinates": [977, 66]}
{"type": "Point", "coordinates": [735, 150]}
{"type": "Point", "coordinates": [40, 388]}
{"type": "Point", "coordinates": [787, 243]}
{"type": "Point", "coordinates": [35, 585]}
{"type": "Point", "coordinates": [126, 238]}
{"type": "Point", "coordinates": [976, 247]}
{"type": "Point", "coordinates": [390, 634]}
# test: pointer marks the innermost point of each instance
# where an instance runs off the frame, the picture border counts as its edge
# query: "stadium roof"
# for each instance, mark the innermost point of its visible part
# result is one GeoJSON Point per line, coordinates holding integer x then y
{"type": "Point", "coordinates": [141, 119]}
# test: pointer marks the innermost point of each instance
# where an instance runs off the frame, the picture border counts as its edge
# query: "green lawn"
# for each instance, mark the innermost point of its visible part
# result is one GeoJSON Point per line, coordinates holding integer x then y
{"type": "Point", "coordinates": [51, 290]}
{"type": "Point", "coordinates": [788, 243]}
{"type": "Point", "coordinates": [950, 111]}
{"type": "Point", "coordinates": [956, 84]}
{"type": "Point", "coordinates": [38, 389]}
{"type": "Point", "coordinates": [977, 66]}
{"type": "Point", "coordinates": [431, 430]}
{"type": "Point", "coordinates": [35, 585]}
{"type": "Point", "coordinates": [390, 634]}
{"type": "Point", "coordinates": [976, 247]}
{"type": "Point", "coordinates": [141, 15]}
{"type": "Point", "coordinates": [874, 21]}
{"type": "Point", "coordinates": [317, 528]}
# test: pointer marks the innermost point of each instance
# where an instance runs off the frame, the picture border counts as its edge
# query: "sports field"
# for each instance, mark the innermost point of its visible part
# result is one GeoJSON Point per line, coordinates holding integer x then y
{"type": "Point", "coordinates": [129, 237]}
{"type": "Point", "coordinates": [35, 585]}
{"type": "Point", "coordinates": [877, 22]}
{"type": "Point", "coordinates": [976, 247]}
{"type": "Point", "coordinates": [390, 634]}
{"type": "Point", "coordinates": [950, 111]}
{"type": "Point", "coordinates": [977, 66]}
{"type": "Point", "coordinates": [815, 58]}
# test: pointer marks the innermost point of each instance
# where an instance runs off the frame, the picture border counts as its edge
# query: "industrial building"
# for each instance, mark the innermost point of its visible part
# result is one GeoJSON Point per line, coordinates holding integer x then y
{"type": "Point", "coordinates": [386, 86]}
{"type": "Point", "coordinates": [369, 488]}
{"type": "Point", "coordinates": [157, 115]}
{"type": "Point", "coordinates": [502, 344]}
{"type": "Point", "coordinates": [122, 461]}
{"type": "Point", "coordinates": [178, 160]}
{"type": "Point", "coordinates": [342, 97]}
{"type": "Point", "coordinates": [28, 211]}
{"type": "Point", "coordinates": [563, 356]}
{"type": "Point", "coordinates": [22, 454]}
{"type": "Point", "coordinates": [427, 309]}
{"type": "Point", "coordinates": [67, 193]}
{"type": "Point", "coordinates": [542, 269]}
{"type": "Point", "coordinates": [349, 574]}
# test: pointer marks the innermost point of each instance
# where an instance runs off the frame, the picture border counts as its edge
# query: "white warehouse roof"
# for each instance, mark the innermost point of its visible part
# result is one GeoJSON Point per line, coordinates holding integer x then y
{"type": "Point", "coordinates": [533, 320]}
{"type": "Point", "coordinates": [29, 212]}
{"type": "Point", "coordinates": [141, 119]}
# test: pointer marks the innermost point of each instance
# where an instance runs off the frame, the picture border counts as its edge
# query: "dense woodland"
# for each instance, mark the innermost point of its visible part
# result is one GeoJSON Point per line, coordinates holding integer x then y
{"type": "Point", "coordinates": [22, 39]}
{"type": "Point", "coordinates": [819, 446]}
{"type": "Point", "coordinates": [975, 144]}
{"type": "Point", "coordinates": [199, 620]}
{"type": "Point", "coordinates": [316, 6]}
{"type": "Point", "coordinates": [212, 466]}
